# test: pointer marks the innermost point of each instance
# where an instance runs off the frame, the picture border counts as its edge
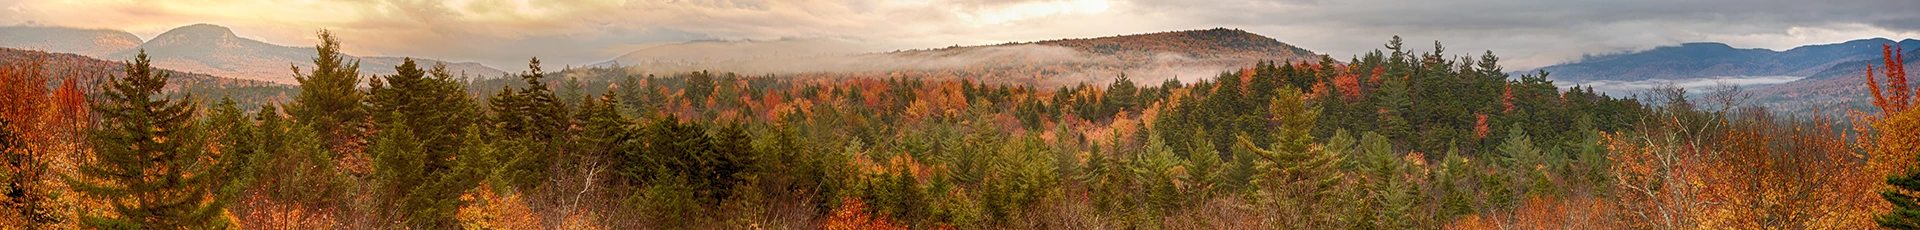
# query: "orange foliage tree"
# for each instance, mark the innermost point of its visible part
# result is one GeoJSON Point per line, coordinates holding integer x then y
{"type": "Point", "coordinates": [26, 182]}
{"type": "Point", "coordinates": [1894, 139]}
{"type": "Point", "coordinates": [1784, 173]}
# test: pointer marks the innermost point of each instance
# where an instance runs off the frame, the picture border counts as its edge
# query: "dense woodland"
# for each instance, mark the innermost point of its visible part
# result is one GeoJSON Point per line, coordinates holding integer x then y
{"type": "Point", "coordinates": [1393, 139]}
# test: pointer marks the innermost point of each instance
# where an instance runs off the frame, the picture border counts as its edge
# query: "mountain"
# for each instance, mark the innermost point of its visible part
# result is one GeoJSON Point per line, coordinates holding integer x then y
{"type": "Point", "coordinates": [216, 50]}
{"type": "Point", "coordinates": [1836, 89]}
{"type": "Point", "coordinates": [203, 48]}
{"type": "Point", "coordinates": [1711, 60]}
{"type": "Point", "coordinates": [89, 42]}
{"type": "Point", "coordinates": [1144, 57]}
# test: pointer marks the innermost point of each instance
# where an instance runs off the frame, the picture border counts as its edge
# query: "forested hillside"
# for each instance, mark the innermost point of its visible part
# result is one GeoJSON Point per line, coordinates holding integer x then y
{"type": "Point", "coordinates": [1399, 138]}
{"type": "Point", "coordinates": [59, 67]}
{"type": "Point", "coordinates": [1190, 54]}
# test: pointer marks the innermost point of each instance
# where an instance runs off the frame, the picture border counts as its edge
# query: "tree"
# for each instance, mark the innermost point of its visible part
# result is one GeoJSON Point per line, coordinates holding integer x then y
{"type": "Point", "coordinates": [328, 100]}
{"type": "Point", "coordinates": [1389, 200]}
{"type": "Point", "coordinates": [1893, 152]}
{"type": "Point", "coordinates": [1898, 137]}
{"type": "Point", "coordinates": [24, 194]}
{"type": "Point", "coordinates": [1122, 95]}
{"type": "Point", "coordinates": [150, 164]}
{"type": "Point", "coordinates": [699, 86]}
{"type": "Point", "coordinates": [424, 132]}
{"type": "Point", "coordinates": [532, 118]}
{"type": "Point", "coordinates": [237, 146]}
{"type": "Point", "coordinates": [1902, 98]}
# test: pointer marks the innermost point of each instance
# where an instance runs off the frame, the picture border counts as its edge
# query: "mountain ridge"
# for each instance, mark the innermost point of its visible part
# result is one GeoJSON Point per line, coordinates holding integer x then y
{"type": "Point", "coordinates": [1695, 60]}
{"type": "Point", "coordinates": [99, 42]}
{"type": "Point", "coordinates": [217, 50]}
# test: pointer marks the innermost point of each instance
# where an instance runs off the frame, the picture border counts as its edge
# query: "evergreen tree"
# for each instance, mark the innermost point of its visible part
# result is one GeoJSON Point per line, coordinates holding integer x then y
{"type": "Point", "coordinates": [1906, 208]}
{"type": "Point", "coordinates": [699, 86]}
{"type": "Point", "coordinates": [1395, 103]}
{"type": "Point", "coordinates": [329, 101]}
{"type": "Point", "coordinates": [1389, 200]}
{"type": "Point", "coordinates": [423, 133]}
{"type": "Point", "coordinates": [150, 162]}
{"type": "Point", "coordinates": [1121, 95]}
{"type": "Point", "coordinates": [238, 143]}
{"type": "Point", "coordinates": [532, 118]}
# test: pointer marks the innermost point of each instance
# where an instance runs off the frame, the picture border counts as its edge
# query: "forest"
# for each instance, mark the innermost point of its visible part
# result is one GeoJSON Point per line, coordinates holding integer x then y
{"type": "Point", "coordinates": [1396, 138]}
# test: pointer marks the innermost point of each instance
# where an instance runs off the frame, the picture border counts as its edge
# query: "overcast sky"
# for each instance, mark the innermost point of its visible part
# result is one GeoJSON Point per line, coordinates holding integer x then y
{"type": "Point", "coordinates": [504, 33]}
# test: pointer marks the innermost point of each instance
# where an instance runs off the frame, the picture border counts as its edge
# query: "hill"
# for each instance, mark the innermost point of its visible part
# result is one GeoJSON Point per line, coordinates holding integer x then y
{"type": "Point", "coordinates": [88, 71]}
{"type": "Point", "coordinates": [1147, 57]}
{"type": "Point", "coordinates": [90, 42]}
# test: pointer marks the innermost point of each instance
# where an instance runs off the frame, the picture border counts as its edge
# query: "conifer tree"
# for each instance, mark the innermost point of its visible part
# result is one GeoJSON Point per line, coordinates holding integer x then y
{"type": "Point", "coordinates": [150, 161]}
{"type": "Point", "coordinates": [423, 125]}
{"type": "Point", "coordinates": [1121, 95]}
{"type": "Point", "coordinates": [329, 101]}
{"type": "Point", "coordinates": [1389, 201]}
{"type": "Point", "coordinates": [238, 143]}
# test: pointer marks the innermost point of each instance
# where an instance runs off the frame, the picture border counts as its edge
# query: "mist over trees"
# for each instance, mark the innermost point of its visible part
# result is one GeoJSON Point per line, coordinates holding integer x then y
{"type": "Point", "coordinates": [1396, 138]}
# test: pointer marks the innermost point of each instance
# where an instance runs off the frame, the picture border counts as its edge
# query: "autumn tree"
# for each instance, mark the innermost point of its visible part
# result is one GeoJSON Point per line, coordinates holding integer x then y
{"type": "Point", "coordinates": [1897, 142]}
{"type": "Point", "coordinates": [1658, 168]}
{"type": "Point", "coordinates": [1782, 172]}
{"type": "Point", "coordinates": [150, 159]}
{"type": "Point", "coordinates": [25, 158]}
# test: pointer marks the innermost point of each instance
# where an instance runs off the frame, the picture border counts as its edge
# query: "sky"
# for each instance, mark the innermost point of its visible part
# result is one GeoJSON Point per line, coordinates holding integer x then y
{"type": "Point", "coordinates": [505, 33]}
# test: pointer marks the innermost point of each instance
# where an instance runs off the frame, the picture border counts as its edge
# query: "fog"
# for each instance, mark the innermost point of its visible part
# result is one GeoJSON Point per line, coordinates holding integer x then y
{"type": "Point", "coordinates": [1692, 85]}
{"type": "Point", "coordinates": [1053, 65]}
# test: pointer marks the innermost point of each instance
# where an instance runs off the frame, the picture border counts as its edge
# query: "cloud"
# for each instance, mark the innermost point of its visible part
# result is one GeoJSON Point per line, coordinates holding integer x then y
{"type": "Point", "coordinates": [504, 33]}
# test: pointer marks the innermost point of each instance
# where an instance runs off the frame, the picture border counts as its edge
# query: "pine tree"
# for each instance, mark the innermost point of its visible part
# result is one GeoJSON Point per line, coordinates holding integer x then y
{"type": "Point", "coordinates": [1298, 180]}
{"type": "Point", "coordinates": [328, 100]}
{"type": "Point", "coordinates": [604, 128]}
{"type": "Point", "coordinates": [423, 128]}
{"type": "Point", "coordinates": [699, 86]}
{"type": "Point", "coordinates": [1389, 201]}
{"type": "Point", "coordinates": [1395, 103]}
{"type": "Point", "coordinates": [1122, 95]}
{"type": "Point", "coordinates": [238, 145]}
{"type": "Point", "coordinates": [532, 118]}
{"type": "Point", "coordinates": [150, 164]}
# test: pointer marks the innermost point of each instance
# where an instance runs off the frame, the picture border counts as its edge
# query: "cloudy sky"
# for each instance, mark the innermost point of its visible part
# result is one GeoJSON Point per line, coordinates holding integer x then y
{"type": "Point", "coordinates": [504, 33]}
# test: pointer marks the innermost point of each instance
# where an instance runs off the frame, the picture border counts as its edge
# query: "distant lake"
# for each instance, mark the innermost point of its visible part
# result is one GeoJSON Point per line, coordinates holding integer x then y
{"type": "Point", "coordinates": [1693, 85]}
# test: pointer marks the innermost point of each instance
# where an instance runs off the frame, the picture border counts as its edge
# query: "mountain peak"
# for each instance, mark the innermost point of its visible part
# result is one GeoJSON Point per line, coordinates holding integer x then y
{"type": "Point", "coordinates": [197, 32]}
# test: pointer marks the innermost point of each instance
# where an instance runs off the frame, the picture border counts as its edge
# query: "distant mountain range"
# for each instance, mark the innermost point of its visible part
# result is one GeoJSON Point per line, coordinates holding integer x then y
{"type": "Point", "coordinates": [202, 48]}
{"type": "Point", "coordinates": [1836, 89]}
{"type": "Point", "coordinates": [1710, 60]}
{"type": "Point", "coordinates": [1826, 79]}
